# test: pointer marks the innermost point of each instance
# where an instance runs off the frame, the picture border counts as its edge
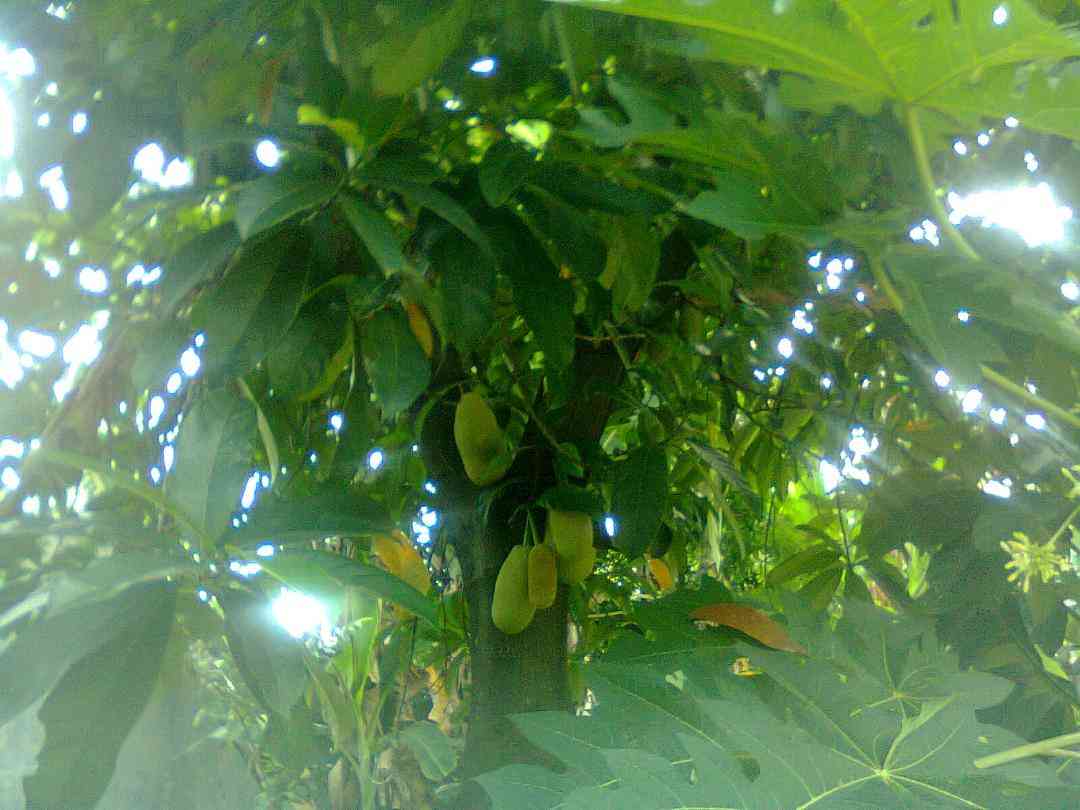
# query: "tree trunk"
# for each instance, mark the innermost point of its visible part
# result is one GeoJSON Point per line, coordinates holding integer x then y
{"type": "Point", "coordinates": [526, 672]}
{"type": "Point", "coordinates": [510, 674]}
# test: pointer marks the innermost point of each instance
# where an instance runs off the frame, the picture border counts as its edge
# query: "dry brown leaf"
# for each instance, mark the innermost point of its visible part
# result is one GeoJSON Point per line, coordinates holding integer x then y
{"type": "Point", "coordinates": [751, 621]}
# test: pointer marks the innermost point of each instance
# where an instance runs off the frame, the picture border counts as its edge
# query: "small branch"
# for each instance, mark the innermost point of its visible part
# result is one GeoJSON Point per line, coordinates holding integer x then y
{"type": "Point", "coordinates": [566, 52]}
{"type": "Point", "coordinates": [926, 174]}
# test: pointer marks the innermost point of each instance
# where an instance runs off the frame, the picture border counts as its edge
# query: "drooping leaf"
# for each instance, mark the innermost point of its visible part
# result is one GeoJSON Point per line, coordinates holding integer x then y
{"type": "Point", "coordinates": [325, 514]}
{"type": "Point", "coordinates": [431, 198]}
{"type": "Point", "coordinates": [89, 713]}
{"type": "Point", "coordinates": [375, 232]}
{"type": "Point", "coordinates": [505, 168]}
{"type": "Point", "coordinates": [44, 649]}
{"type": "Point", "coordinates": [467, 284]}
{"type": "Point", "coordinates": [396, 365]}
{"type": "Point", "coordinates": [435, 752]}
{"type": "Point", "coordinates": [213, 457]}
{"type": "Point", "coordinates": [195, 262]}
{"type": "Point", "coordinates": [809, 560]}
{"type": "Point", "coordinates": [405, 58]}
{"type": "Point", "coordinates": [544, 300]}
{"type": "Point", "coordinates": [271, 200]}
{"type": "Point", "coordinates": [633, 261]}
{"type": "Point", "coordinates": [251, 309]}
{"type": "Point", "coordinates": [639, 498]}
{"type": "Point", "coordinates": [728, 472]}
{"type": "Point", "coordinates": [306, 354]}
{"type": "Point", "coordinates": [746, 619]}
{"type": "Point", "coordinates": [322, 572]}
{"type": "Point", "coordinates": [271, 661]}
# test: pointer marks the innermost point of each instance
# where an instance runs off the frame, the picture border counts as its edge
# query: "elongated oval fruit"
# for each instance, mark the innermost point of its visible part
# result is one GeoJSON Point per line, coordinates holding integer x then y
{"type": "Point", "coordinates": [543, 576]}
{"type": "Point", "coordinates": [421, 328]}
{"type": "Point", "coordinates": [480, 441]}
{"type": "Point", "coordinates": [570, 532]}
{"type": "Point", "coordinates": [511, 610]}
{"type": "Point", "coordinates": [573, 570]}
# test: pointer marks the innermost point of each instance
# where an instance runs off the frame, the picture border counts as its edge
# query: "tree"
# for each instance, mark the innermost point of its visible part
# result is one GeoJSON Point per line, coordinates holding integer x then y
{"type": "Point", "coordinates": [712, 267]}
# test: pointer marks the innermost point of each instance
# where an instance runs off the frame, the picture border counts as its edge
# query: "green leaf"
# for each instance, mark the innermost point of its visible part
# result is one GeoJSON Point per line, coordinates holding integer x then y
{"type": "Point", "coordinates": [404, 59]}
{"type": "Point", "coordinates": [467, 285]}
{"type": "Point", "coordinates": [570, 238]}
{"type": "Point", "coordinates": [434, 751]}
{"type": "Point", "coordinates": [639, 498]}
{"type": "Point", "coordinates": [809, 560]}
{"type": "Point", "coordinates": [506, 166]}
{"type": "Point", "coordinates": [741, 205]}
{"type": "Point", "coordinates": [318, 572]}
{"type": "Point", "coordinates": [159, 345]}
{"type": "Point", "coordinates": [325, 514]}
{"type": "Point", "coordinates": [213, 457]}
{"type": "Point", "coordinates": [272, 199]}
{"type": "Point", "coordinates": [395, 363]}
{"type": "Point", "coordinates": [569, 498]}
{"type": "Point", "coordinates": [945, 57]}
{"type": "Point", "coordinates": [196, 261]}
{"type": "Point", "coordinates": [262, 295]}
{"type": "Point", "coordinates": [271, 661]}
{"type": "Point", "coordinates": [723, 466]}
{"type": "Point", "coordinates": [298, 364]}
{"type": "Point", "coordinates": [584, 190]}
{"type": "Point", "coordinates": [439, 203]}
{"type": "Point", "coordinates": [633, 261]}
{"type": "Point", "coordinates": [544, 300]}
{"type": "Point", "coordinates": [44, 649]}
{"type": "Point", "coordinates": [89, 713]}
{"type": "Point", "coordinates": [375, 232]}
{"type": "Point", "coordinates": [668, 730]}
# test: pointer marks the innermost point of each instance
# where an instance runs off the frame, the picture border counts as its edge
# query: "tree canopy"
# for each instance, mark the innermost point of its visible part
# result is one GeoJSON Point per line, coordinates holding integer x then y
{"type": "Point", "coordinates": [644, 404]}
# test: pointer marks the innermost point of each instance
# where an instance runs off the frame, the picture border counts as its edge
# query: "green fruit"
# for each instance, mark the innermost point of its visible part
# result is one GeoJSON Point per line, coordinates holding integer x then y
{"type": "Point", "coordinates": [543, 576]}
{"type": "Point", "coordinates": [570, 532]}
{"type": "Point", "coordinates": [480, 441]}
{"type": "Point", "coordinates": [573, 570]}
{"type": "Point", "coordinates": [511, 610]}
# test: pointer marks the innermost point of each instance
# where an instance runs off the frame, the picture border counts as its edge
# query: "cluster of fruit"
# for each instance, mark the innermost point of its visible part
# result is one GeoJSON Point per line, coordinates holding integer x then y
{"type": "Point", "coordinates": [529, 576]}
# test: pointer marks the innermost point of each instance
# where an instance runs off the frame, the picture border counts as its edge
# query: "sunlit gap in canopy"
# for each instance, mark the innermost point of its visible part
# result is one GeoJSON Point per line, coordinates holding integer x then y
{"type": "Point", "coordinates": [1030, 211]}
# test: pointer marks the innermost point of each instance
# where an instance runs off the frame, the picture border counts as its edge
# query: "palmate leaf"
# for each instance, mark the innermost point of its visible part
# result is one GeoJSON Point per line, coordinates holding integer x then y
{"type": "Point", "coordinates": [948, 57]}
{"type": "Point", "coordinates": [878, 716]}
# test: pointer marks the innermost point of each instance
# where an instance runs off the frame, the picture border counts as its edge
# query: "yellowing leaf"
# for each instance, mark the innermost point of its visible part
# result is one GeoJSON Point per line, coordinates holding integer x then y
{"type": "Point", "coordinates": [421, 328]}
{"type": "Point", "coordinates": [348, 131]}
{"type": "Point", "coordinates": [751, 621]}
{"type": "Point", "coordinates": [661, 573]}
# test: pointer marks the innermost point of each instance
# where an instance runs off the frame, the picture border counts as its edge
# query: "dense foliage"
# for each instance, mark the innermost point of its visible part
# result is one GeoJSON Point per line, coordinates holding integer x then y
{"type": "Point", "coordinates": [775, 295]}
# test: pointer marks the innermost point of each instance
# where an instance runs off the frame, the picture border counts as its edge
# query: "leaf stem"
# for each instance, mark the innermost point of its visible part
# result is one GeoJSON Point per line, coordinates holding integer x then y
{"type": "Point", "coordinates": [1024, 394]}
{"type": "Point", "coordinates": [1035, 749]}
{"type": "Point", "coordinates": [926, 174]}
{"type": "Point", "coordinates": [139, 490]}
